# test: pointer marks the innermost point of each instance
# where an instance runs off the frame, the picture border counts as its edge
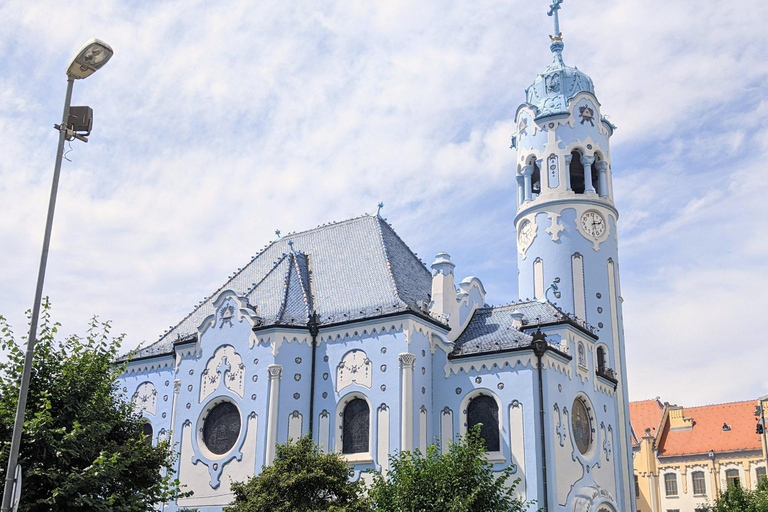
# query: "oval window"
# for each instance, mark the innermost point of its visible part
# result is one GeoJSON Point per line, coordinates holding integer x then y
{"type": "Point", "coordinates": [221, 428]}
{"type": "Point", "coordinates": [581, 425]}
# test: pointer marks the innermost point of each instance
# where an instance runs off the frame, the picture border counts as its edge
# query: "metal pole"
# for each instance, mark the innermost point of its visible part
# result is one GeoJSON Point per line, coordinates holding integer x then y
{"type": "Point", "coordinates": [31, 340]}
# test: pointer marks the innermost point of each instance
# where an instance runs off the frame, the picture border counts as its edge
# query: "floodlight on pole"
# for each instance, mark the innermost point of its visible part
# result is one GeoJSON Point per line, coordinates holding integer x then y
{"type": "Point", "coordinates": [89, 59]}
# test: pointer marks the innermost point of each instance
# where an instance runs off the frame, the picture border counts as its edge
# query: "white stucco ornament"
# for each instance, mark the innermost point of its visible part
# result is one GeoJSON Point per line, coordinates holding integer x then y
{"type": "Point", "coordinates": [226, 365]}
{"type": "Point", "coordinates": [145, 399]}
{"type": "Point", "coordinates": [355, 368]}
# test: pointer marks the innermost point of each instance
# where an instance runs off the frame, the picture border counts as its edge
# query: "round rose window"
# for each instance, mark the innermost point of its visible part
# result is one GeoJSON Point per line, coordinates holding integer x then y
{"type": "Point", "coordinates": [581, 426]}
{"type": "Point", "coordinates": [221, 428]}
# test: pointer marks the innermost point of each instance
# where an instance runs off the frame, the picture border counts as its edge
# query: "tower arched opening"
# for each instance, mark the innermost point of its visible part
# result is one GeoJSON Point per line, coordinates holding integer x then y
{"type": "Point", "coordinates": [576, 170]}
{"type": "Point", "coordinates": [535, 178]}
{"type": "Point", "coordinates": [596, 173]}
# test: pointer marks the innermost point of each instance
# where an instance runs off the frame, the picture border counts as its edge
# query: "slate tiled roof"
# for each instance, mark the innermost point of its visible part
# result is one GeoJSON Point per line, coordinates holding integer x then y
{"type": "Point", "coordinates": [645, 414]}
{"type": "Point", "coordinates": [707, 432]}
{"type": "Point", "coordinates": [354, 269]}
{"type": "Point", "coordinates": [491, 328]}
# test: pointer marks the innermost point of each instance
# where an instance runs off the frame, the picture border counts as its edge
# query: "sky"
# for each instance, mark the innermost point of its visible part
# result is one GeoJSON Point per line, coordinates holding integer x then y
{"type": "Point", "coordinates": [217, 123]}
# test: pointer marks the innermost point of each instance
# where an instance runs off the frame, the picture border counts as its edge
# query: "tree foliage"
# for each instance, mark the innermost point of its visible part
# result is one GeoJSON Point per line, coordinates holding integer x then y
{"type": "Point", "coordinates": [82, 446]}
{"type": "Point", "coordinates": [301, 479]}
{"type": "Point", "coordinates": [460, 480]}
{"type": "Point", "coordinates": [737, 499]}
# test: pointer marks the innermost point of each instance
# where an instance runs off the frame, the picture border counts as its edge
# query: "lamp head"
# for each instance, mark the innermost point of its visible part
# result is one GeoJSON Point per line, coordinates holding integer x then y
{"type": "Point", "coordinates": [89, 59]}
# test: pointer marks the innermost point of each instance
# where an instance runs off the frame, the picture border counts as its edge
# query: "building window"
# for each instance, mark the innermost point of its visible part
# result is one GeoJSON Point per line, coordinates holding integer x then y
{"type": "Point", "coordinates": [221, 428]}
{"type": "Point", "coordinates": [576, 169]}
{"type": "Point", "coordinates": [536, 178]}
{"type": "Point", "coordinates": [483, 410]}
{"type": "Point", "coordinates": [699, 483]}
{"type": "Point", "coordinates": [581, 425]}
{"type": "Point", "coordinates": [355, 432]}
{"type": "Point", "coordinates": [760, 474]}
{"type": "Point", "coordinates": [637, 487]}
{"type": "Point", "coordinates": [146, 428]}
{"type": "Point", "coordinates": [600, 360]}
{"type": "Point", "coordinates": [732, 477]}
{"type": "Point", "coordinates": [670, 484]}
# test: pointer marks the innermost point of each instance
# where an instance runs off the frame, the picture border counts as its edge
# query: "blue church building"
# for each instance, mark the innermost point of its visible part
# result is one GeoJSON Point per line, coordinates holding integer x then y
{"type": "Point", "coordinates": [342, 332]}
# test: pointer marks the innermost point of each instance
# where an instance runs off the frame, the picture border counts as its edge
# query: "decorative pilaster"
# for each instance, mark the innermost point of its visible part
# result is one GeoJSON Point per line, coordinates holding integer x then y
{"type": "Point", "coordinates": [567, 171]}
{"type": "Point", "coordinates": [602, 185]}
{"type": "Point", "coordinates": [407, 362]}
{"type": "Point", "coordinates": [275, 372]}
{"type": "Point", "coordinates": [527, 173]}
{"type": "Point", "coordinates": [587, 162]}
{"type": "Point", "coordinates": [174, 404]}
{"type": "Point", "coordinates": [520, 189]}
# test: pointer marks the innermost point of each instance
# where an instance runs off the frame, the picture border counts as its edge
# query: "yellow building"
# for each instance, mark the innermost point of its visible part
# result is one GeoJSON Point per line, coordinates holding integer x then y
{"type": "Point", "coordinates": [684, 458]}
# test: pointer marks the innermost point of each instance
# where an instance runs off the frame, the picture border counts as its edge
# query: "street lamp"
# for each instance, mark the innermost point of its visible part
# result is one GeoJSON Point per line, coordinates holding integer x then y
{"type": "Point", "coordinates": [761, 400]}
{"type": "Point", "coordinates": [75, 120]}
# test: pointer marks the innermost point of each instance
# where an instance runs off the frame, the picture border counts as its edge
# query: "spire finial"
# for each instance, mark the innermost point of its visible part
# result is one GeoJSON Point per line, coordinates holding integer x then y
{"type": "Point", "coordinates": [553, 12]}
{"type": "Point", "coordinates": [277, 232]}
{"type": "Point", "coordinates": [381, 205]}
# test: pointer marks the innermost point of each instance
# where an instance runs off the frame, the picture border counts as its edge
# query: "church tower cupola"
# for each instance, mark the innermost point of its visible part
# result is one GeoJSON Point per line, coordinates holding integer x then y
{"type": "Point", "coordinates": [561, 135]}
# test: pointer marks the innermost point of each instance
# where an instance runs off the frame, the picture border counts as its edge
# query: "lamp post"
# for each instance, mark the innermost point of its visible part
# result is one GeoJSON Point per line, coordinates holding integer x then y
{"type": "Point", "coordinates": [761, 399]}
{"type": "Point", "coordinates": [89, 59]}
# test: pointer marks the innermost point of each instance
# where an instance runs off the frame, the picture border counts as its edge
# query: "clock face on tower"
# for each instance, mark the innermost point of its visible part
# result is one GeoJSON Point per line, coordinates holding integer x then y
{"type": "Point", "coordinates": [525, 233]}
{"type": "Point", "coordinates": [593, 223]}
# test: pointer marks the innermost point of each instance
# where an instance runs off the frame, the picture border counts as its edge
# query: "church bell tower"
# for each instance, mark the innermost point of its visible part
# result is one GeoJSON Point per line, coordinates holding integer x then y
{"type": "Point", "coordinates": [566, 218]}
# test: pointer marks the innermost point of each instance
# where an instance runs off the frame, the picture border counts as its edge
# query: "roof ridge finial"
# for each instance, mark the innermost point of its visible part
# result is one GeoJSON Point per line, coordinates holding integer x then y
{"type": "Point", "coordinates": [557, 39]}
{"type": "Point", "coordinates": [378, 212]}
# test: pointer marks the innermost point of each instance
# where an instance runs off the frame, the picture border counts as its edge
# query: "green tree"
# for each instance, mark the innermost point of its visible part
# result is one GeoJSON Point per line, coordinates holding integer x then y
{"type": "Point", "coordinates": [460, 480]}
{"type": "Point", "coordinates": [737, 499]}
{"type": "Point", "coordinates": [82, 446]}
{"type": "Point", "coordinates": [301, 479]}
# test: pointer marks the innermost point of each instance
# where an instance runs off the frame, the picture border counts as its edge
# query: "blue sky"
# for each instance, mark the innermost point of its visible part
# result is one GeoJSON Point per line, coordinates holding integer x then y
{"type": "Point", "coordinates": [218, 122]}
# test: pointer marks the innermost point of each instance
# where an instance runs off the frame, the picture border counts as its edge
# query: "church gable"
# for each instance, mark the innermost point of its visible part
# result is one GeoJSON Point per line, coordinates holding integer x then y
{"type": "Point", "coordinates": [349, 270]}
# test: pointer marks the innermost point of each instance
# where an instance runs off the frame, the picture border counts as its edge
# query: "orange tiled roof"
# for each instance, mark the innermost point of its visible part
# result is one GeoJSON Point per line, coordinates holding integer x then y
{"type": "Point", "coordinates": [707, 432]}
{"type": "Point", "coordinates": [645, 414]}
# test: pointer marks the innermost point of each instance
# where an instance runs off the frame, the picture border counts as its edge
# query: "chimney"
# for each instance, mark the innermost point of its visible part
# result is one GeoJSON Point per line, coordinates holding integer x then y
{"type": "Point", "coordinates": [443, 287]}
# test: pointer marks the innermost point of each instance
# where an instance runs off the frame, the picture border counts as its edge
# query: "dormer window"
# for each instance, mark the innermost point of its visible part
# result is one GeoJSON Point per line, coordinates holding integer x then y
{"type": "Point", "coordinates": [726, 427]}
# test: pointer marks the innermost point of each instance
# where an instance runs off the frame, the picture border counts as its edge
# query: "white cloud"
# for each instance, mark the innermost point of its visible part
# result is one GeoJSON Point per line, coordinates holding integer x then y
{"type": "Point", "coordinates": [217, 123]}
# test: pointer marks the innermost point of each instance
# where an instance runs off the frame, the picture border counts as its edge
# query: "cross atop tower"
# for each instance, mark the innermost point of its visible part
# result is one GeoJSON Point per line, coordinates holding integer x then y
{"type": "Point", "coordinates": [553, 12]}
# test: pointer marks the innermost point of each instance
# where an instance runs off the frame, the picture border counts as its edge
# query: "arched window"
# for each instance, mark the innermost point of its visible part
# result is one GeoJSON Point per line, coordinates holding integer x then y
{"type": "Point", "coordinates": [146, 428]}
{"type": "Point", "coordinates": [699, 483]}
{"type": "Point", "coordinates": [355, 432]}
{"type": "Point", "coordinates": [536, 177]}
{"type": "Point", "coordinates": [483, 410]}
{"type": "Point", "coordinates": [576, 170]}
{"type": "Point", "coordinates": [600, 360]}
